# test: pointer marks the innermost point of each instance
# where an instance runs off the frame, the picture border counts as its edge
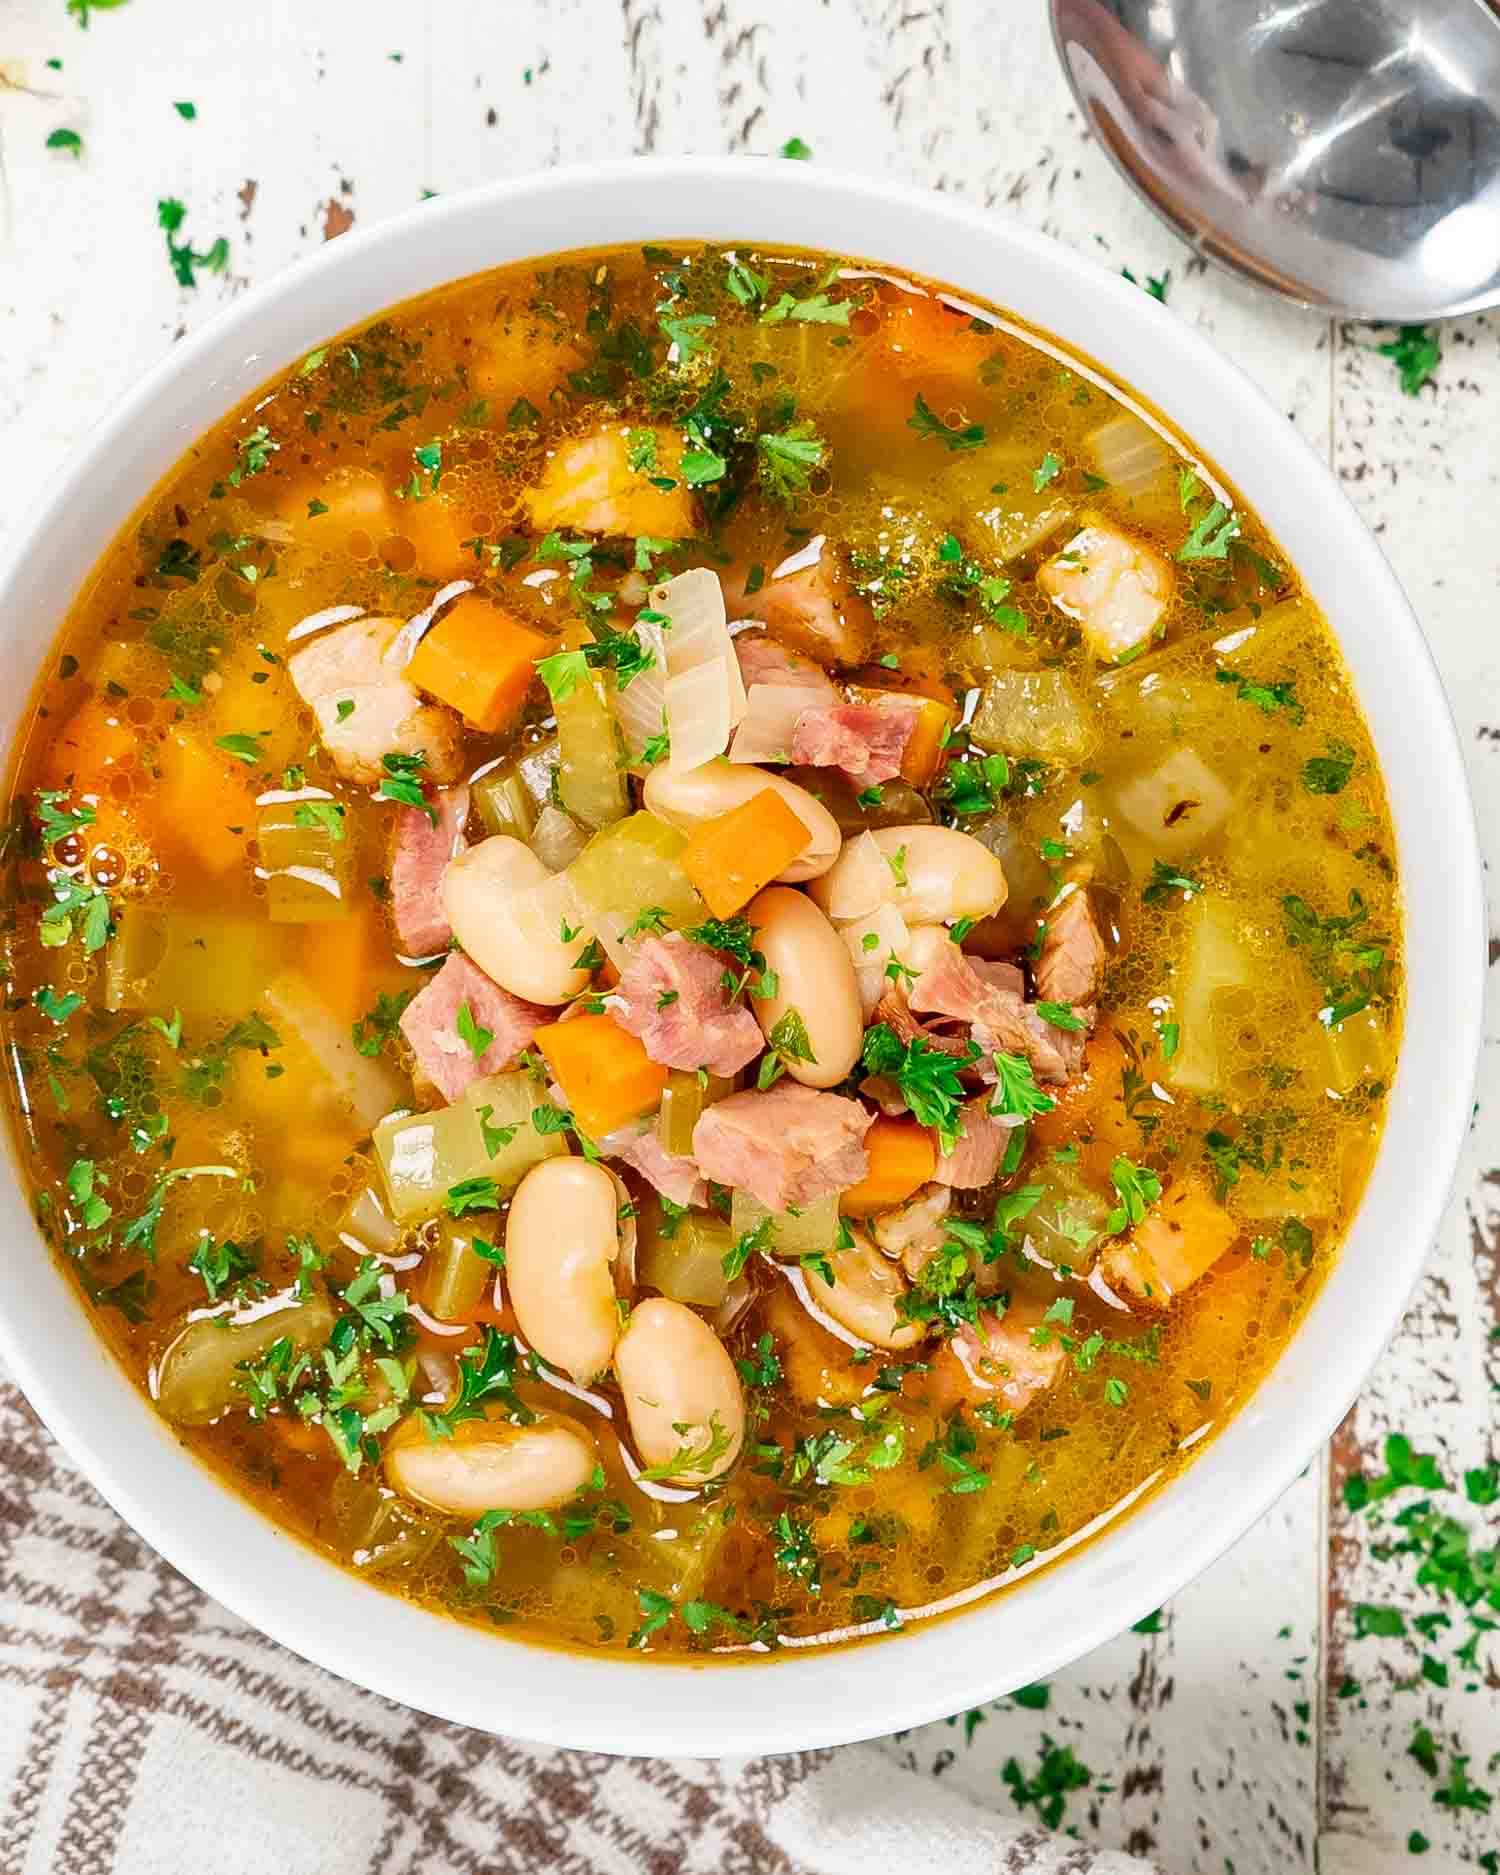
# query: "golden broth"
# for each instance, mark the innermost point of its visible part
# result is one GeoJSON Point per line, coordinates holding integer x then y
{"type": "Point", "coordinates": [1250, 1009]}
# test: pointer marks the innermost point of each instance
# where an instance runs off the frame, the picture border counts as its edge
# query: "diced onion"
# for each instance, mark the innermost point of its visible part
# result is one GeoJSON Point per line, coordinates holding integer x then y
{"type": "Point", "coordinates": [698, 632]}
{"type": "Point", "coordinates": [640, 708]}
{"type": "Point", "coordinates": [803, 559]}
{"type": "Point", "coordinates": [700, 713]}
{"type": "Point", "coordinates": [765, 731]}
{"type": "Point", "coordinates": [412, 632]}
{"type": "Point", "coordinates": [1127, 454]}
{"type": "Point", "coordinates": [891, 934]}
{"type": "Point", "coordinates": [863, 880]}
{"type": "Point", "coordinates": [320, 621]}
{"type": "Point", "coordinates": [556, 839]}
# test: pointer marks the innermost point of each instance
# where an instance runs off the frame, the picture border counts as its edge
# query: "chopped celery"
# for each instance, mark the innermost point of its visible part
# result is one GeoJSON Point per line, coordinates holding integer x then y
{"type": "Point", "coordinates": [455, 1276]}
{"type": "Point", "coordinates": [1217, 962]}
{"type": "Point", "coordinates": [591, 782]}
{"type": "Point", "coordinates": [683, 1105]}
{"type": "Point", "coordinates": [683, 1256]}
{"type": "Point", "coordinates": [307, 858]}
{"type": "Point", "coordinates": [423, 1155]}
{"type": "Point", "coordinates": [1012, 524]}
{"type": "Point", "coordinates": [1067, 1220]}
{"type": "Point", "coordinates": [373, 1529]}
{"type": "Point", "coordinates": [813, 1229]}
{"type": "Point", "coordinates": [631, 870]}
{"type": "Point", "coordinates": [1033, 713]}
{"type": "Point", "coordinates": [505, 804]}
{"type": "Point", "coordinates": [205, 963]}
{"type": "Point", "coordinates": [504, 1104]}
{"type": "Point", "coordinates": [201, 1372]}
{"type": "Point", "coordinates": [365, 1228]}
{"type": "Point", "coordinates": [1358, 1050]}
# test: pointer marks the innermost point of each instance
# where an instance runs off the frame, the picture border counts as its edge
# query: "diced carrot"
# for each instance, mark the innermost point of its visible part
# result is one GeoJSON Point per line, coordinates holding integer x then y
{"type": "Point", "coordinates": [95, 742]}
{"type": "Point", "coordinates": [902, 1159]}
{"type": "Point", "coordinates": [1092, 1104]}
{"type": "Point", "coordinates": [207, 812]}
{"type": "Point", "coordinates": [606, 1076]}
{"type": "Point", "coordinates": [921, 675]}
{"type": "Point", "coordinates": [732, 857]}
{"type": "Point", "coordinates": [925, 745]}
{"type": "Point", "coordinates": [1176, 1243]}
{"type": "Point", "coordinates": [346, 958]}
{"type": "Point", "coordinates": [480, 660]}
{"type": "Point", "coordinates": [435, 531]}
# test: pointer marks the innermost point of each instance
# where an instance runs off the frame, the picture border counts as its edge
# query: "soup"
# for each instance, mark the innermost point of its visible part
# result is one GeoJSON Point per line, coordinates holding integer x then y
{"type": "Point", "coordinates": [703, 951]}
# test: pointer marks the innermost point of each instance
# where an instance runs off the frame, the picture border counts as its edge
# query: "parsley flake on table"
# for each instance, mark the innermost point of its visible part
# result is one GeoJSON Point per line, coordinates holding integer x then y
{"type": "Point", "coordinates": [185, 260]}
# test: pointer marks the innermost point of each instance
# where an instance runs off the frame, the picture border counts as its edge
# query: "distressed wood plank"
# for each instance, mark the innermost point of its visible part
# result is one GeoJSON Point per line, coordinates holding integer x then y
{"type": "Point", "coordinates": [1422, 472]}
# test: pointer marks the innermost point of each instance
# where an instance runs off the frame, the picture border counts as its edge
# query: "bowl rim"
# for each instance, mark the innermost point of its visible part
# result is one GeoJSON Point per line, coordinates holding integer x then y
{"type": "Point", "coordinates": [818, 1698]}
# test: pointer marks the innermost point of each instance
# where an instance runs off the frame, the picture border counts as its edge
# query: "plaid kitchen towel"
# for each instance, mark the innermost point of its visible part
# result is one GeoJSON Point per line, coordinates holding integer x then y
{"type": "Point", "coordinates": [146, 1731]}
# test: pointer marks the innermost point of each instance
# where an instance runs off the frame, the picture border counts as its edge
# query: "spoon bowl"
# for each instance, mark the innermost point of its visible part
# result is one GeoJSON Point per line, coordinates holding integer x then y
{"type": "Point", "coordinates": [1343, 153]}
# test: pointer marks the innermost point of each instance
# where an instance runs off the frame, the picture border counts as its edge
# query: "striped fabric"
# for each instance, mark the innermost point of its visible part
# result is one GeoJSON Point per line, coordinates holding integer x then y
{"type": "Point", "coordinates": [146, 1731]}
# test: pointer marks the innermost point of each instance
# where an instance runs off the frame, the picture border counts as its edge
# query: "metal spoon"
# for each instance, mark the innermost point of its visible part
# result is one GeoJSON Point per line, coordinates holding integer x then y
{"type": "Point", "coordinates": [1344, 153]}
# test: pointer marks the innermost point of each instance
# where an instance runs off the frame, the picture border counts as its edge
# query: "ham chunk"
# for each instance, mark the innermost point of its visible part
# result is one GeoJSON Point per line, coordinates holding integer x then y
{"type": "Point", "coordinates": [1177, 1242]}
{"type": "Point", "coordinates": [590, 486]}
{"type": "Point", "coordinates": [430, 1024]}
{"type": "Point", "coordinates": [674, 1174]}
{"type": "Point", "coordinates": [1116, 587]}
{"type": "Point", "coordinates": [865, 740]}
{"type": "Point", "coordinates": [366, 709]}
{"type": "Point", "coordinates": [998, 1016]}
{"type": "Point", "coordinates": [1073, 953]}
{"type": "Point", "coordinates": [671, 995]}
{"type": "Point", "coordinates": [765, 661]}
{"type": "Point", "coordinates": [998, 1359]}
{"type": "Point", "coordinates": [808, 602]}
{"type": "Point", "coordinates": [981, 1141]}
{"type": "Point", "coordinates": [789, 1146]}
{"type": "Point", "coordinates": [419, 852]}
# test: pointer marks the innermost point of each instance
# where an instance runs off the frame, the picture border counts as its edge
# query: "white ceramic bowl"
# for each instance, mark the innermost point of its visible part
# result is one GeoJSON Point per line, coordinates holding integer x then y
{"type": "Point", "coordinates": [813, 1698]}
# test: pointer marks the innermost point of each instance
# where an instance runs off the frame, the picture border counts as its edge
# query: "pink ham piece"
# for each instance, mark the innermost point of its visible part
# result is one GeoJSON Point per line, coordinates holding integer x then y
{"type": "Point", "coordinates": [419, 852]}
{"type": "Point", "coordinates": [430, 1024]}
{"type": "Point", "coordinates": [998, 1015]}
{"type": "Point", "coordinates": [671, 996]}
{"type": "Point", "coordinates": [865, 740]}
{"type": "Point", "coordinates": [789, 1146]}
{"type": "Point", "coordinates": [974, 1161]}
{"type": "Point", "coordinates": [764, 661]}
{"type": "Point", "coordinates": [674, 1175]}
{"type": "Point", "coordinates": [1001, 1360]}
{"type": "Point", "coordinates": [1073, 953]}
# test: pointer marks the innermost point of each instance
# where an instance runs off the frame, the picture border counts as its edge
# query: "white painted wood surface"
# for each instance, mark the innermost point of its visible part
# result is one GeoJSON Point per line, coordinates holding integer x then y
{"type": "Point", "coordinates": [1219, 1743]}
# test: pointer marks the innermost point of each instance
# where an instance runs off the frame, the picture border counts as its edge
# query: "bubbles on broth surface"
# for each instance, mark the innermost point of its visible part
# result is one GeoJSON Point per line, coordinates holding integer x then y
{"type": "Point", "coordinates": [1221, 1073]}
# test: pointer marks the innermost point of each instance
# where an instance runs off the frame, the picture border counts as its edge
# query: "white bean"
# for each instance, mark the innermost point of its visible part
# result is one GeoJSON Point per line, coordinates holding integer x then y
{"type": "Point", "coordinates": [491, 1463]}
{"type": "Point", "coordinates": [814, 976]}
{"type": "Point", "coordinates": [865, 1295]}
{"type": "Point", "coordinates": [561, 1242]}
{"type": "Point", "coordinates": [509, 913]}
{"type": "Point", "coordinates": [682, 1395]}
{"type": "Point", "coordinates": [687, 798]}
{"type": "Point", "coordinates": [933, 875]}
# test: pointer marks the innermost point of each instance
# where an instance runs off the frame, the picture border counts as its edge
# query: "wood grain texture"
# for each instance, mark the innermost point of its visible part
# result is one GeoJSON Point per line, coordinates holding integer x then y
{"type": "Point", "coordinates": [1220, 1741]}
